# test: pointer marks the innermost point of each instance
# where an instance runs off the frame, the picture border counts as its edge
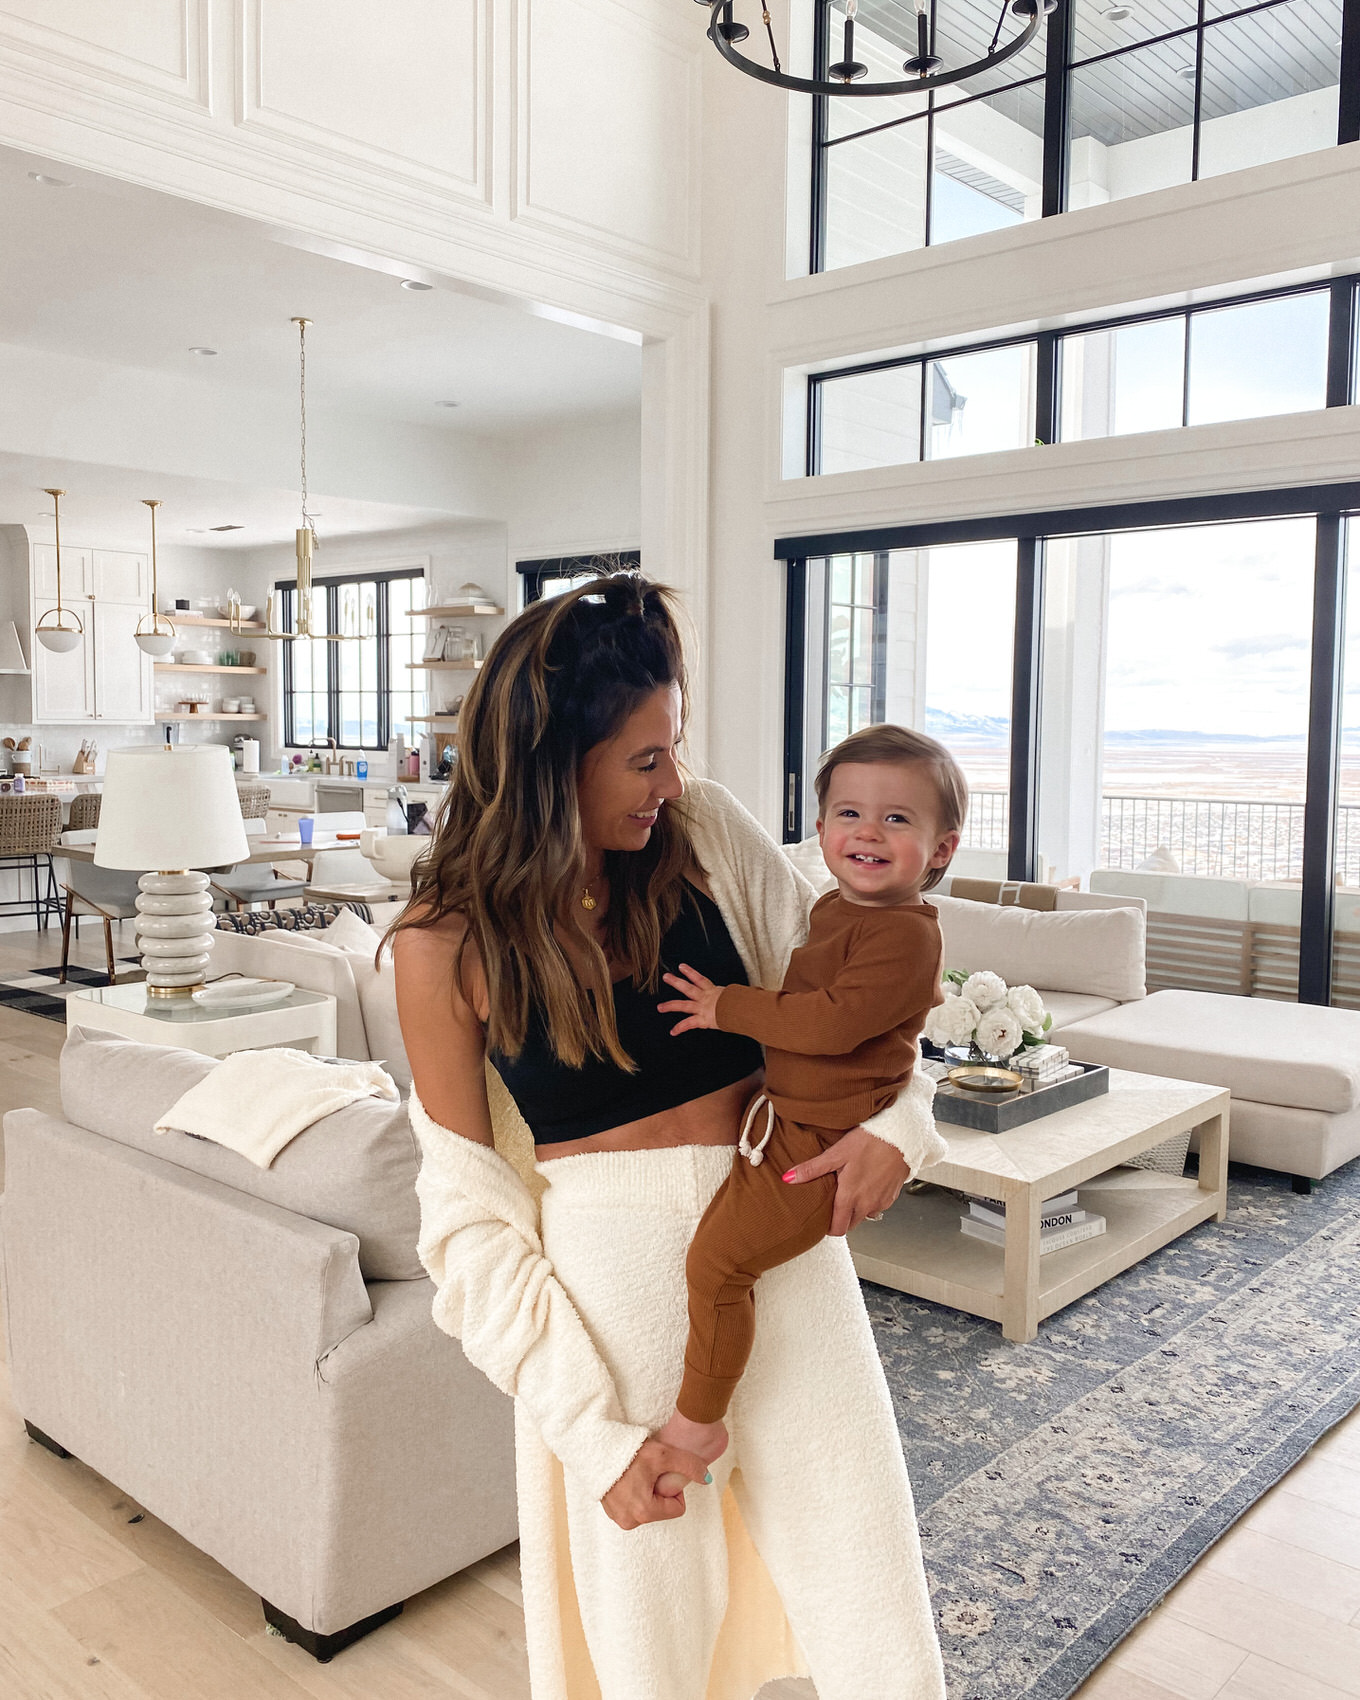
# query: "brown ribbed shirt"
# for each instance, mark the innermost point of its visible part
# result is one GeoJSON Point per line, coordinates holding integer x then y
{"type": "Point", "coordinates": [840, 1038]}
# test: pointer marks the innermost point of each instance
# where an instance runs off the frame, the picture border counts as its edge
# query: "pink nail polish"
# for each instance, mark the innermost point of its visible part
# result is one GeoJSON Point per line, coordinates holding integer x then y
{"type": "Point", "coordinates": [788, 1174]}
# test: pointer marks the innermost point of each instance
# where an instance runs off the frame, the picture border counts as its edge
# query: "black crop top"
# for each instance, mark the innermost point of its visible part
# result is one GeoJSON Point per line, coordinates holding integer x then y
{"type": "Point", "coordinates": [561, 1103]}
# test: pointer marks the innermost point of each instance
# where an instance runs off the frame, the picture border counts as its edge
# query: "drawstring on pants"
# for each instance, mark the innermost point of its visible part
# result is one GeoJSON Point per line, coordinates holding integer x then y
{"type": "Point", "coordinates": [756, 1154]}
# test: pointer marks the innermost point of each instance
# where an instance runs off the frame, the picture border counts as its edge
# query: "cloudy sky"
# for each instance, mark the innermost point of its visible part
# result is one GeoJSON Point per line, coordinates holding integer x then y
{"type": "Point", "coordinates": [1209, 631]}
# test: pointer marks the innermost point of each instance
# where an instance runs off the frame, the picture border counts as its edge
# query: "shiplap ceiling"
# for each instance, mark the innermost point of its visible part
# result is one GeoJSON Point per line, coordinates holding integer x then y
{"type": "Point", "coordinates": [1287, 49]}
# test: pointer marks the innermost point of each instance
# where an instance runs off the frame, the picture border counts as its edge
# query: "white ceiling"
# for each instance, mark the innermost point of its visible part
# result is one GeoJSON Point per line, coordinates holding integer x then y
{"type": "Point", "coordinates": [110, 272]}
{"type": "Point", "coordinates": [103, 508]}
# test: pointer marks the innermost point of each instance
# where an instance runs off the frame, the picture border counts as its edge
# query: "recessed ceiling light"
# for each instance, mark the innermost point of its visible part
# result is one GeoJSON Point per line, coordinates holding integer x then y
{"type": "Point", "coordinates": [203, 351]}
{"type": "Point", "coordinates": [226, 528]}
{"type": "Point", "coordinates": [49, 182]}
{"type": "Point", "coordinates": [197, 530]}
{"type": "Point", "coordinates": [446, 404]}
{"type": "Point", "coordinates": [415, 283]}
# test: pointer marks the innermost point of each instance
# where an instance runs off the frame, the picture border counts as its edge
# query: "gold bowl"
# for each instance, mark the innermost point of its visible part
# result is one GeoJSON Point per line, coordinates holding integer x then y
{"type": "Point", "coordinates": [977, 1078]}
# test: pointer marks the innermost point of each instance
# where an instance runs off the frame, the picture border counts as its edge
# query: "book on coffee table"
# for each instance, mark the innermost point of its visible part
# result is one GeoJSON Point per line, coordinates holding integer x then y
{"type": "Point", "coordinates": [1050, 1239]}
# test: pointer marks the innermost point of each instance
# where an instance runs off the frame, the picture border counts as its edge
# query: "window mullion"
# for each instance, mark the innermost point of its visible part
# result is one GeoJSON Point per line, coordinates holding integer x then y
{"type": "Point", "coordinates": [1348, 118]}
{"type": "Point", "coordinates": [1324, 748]}
{"type": "Point", "coordinates": [1057, 86]}
{"type": "Point", "coordinates": [1022, 854]}
{"type": "Point", "coordinates": [382, 595]}
{"type": "Point", "coordinates": [333, 665]}
{"type": "Point", "coordinates": [795, 687]}
{"type": "Point", "coordinates": [1341, 342]}
{"type": "Point", "coordinates": [820, 125]}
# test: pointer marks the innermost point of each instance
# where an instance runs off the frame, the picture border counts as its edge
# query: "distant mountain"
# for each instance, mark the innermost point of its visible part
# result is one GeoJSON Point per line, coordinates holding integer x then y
{"type": "Point", "coordinates": [996, 729]}
{"type": "Point", "coordinates": [967, 728]}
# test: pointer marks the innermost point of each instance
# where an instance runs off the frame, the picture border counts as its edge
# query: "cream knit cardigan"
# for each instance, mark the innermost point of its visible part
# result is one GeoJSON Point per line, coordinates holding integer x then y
{"type": "Point", "coordinates": [497, 1293]}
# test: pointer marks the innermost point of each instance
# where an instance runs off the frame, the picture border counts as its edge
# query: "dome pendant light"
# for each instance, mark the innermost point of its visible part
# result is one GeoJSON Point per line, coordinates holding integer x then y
{"type": "Point", "coordinates": [304, 542]}
{"type": "Point", "coordinates": [155, 631]}
{"type": "Point", "coordinates": [66, 630]}
{"type": "Point", "coordinates": [927, 69]}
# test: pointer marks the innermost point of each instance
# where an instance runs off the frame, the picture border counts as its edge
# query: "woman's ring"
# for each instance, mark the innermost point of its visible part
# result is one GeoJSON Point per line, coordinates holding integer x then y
{"type": "Point", "coordinates": [875, 1216]}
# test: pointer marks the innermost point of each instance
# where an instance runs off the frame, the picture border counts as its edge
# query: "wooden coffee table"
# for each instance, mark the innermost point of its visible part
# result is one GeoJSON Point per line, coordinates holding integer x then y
{"type": "Point", "coordinates": [919, 1248]}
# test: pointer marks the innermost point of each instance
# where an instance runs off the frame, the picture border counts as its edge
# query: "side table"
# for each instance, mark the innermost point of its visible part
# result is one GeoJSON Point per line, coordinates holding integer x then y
{"type": "Point", "coordinates": [305, 1020]}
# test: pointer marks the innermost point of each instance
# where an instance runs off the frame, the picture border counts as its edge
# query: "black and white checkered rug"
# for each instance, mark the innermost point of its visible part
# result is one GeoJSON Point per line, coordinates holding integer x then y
{"type": "Point", "coordinates": [39, 991]}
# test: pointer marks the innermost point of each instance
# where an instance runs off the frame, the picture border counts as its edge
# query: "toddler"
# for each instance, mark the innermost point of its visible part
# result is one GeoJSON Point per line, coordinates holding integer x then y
{"type": "Point", "coordinates": [840, 1041]}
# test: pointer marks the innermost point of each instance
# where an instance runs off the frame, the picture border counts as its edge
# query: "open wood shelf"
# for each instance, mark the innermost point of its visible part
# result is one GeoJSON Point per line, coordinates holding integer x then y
{"type": "Point", "coordinates": [447, 666]}
{"type": "Point", "coordinates": [197, 667]}
{"type": "Point", "coordinates": [161, 717]}
{"type": "Point", "coordinates": [208, 620]}
{"type": "Point", "coordinates": [433, 719]}
{"type": "Point", "coordinates": [454, 611]}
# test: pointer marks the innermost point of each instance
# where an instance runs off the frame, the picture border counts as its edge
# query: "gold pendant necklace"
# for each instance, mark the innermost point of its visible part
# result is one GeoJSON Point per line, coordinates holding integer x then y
{"type": "Point", "coordinates": [587, 901]}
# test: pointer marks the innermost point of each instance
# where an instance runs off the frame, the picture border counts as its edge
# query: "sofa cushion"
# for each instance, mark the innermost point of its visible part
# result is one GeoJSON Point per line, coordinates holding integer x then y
{"type": "Point", "coordinates": [376, 986]}
{"type": "Point", "coordinates": [1301, 1055]}
{"type": "Point", "coordinates": [354, 1170]}
{"type": "Point", "coordinates": [1095, 951]}
{"type": "Point", "coordinates": [306, 960]}
{"type": "Point", "coordinates": [1067, 1007]}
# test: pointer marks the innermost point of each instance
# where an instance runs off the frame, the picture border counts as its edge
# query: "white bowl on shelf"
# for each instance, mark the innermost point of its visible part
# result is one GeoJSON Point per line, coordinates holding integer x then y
{"type": "Point", "coordinates": [247, 611]}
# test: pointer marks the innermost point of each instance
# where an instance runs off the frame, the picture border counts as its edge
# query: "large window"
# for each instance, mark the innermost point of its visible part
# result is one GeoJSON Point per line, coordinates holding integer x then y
{"type": "Point", "coordinates": [1108, 101]}
{"type": "Point", "coordinates": [1283, 351]}
{"type": "Point", "coordinates": [365, 691]}
{"type": "Point", "coordinates": [1161, 705]}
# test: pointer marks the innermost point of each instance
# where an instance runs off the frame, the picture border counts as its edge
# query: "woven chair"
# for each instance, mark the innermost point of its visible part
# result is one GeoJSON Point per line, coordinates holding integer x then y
{"type": "Point", "coordinates": [254, 800]}
{"type": "Point", "coordinates": [29, 828]}
{"type": "Point", "coordinates": [83, 815]}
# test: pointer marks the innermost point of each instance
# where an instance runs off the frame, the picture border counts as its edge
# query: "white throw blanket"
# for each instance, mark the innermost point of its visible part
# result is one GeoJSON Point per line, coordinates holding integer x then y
{"type": "Point", "coordinates": [254, 1102]}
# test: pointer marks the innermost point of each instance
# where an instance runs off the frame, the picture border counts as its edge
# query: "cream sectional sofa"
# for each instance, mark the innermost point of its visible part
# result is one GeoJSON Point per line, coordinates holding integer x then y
{"type": "Point", "coordinates": [249, 1353]}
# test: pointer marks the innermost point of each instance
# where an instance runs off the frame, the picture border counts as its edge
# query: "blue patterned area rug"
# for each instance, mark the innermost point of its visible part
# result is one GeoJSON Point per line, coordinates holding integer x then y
{"type": "Point", "coordinates": [1063, 1486]}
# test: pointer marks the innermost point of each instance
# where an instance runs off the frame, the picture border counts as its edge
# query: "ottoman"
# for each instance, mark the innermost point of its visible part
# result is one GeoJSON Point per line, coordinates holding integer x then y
{"type": "Point", "coordinates": [1293, 1069]}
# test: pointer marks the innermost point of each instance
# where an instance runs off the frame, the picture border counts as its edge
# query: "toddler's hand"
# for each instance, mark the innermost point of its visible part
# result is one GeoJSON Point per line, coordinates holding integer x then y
{"type": "Point", "coordinates": [699, 1004]}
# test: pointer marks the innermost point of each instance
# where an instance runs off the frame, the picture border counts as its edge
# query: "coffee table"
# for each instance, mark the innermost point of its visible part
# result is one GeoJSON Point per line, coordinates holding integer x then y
{"type": "Point", "coordinates": [919, 1248]}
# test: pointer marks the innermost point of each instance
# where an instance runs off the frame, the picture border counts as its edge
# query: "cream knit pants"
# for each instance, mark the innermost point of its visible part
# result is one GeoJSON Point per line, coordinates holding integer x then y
{"type": "Point", "coordinates": [815, 1461]}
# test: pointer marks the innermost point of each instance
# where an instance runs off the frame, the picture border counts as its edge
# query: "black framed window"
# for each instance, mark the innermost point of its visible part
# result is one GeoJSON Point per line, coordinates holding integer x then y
{"type": "Point", "coordinates": [551, 575]}
{"type": "Point", "coordinates": [1248, 356]}
{"type": "Point", "coordinates": [361, 693]}
{"type": "Point", "coordinates": [1223, 615]}
{"type": "Point", "coordinates": [1109, 101]}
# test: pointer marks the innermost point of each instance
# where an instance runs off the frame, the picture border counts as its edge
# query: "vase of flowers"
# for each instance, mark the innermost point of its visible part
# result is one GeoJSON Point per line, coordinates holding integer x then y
{"type": "Point", "coordinates": [982, 1020]}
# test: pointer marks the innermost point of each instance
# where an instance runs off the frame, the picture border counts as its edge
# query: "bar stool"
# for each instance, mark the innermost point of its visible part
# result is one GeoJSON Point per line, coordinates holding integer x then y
{"type": "Point", "coordinates": [83, 815]}
{"type": "Point", "coordinates": [29, 828]}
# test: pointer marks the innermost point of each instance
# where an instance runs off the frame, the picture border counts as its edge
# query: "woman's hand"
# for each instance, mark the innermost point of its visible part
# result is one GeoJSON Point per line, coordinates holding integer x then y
{"type": "Point", "coordinates": [869, 1175]}
{"type": "Point", "coordinates": [699, 1004]}
{"type": "Point", "coordinates": [633, 1499]}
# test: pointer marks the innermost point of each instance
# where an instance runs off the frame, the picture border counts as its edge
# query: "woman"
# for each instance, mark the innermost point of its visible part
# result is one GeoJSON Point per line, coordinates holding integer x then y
{"type": "Point", "coordinates": [570, 862]}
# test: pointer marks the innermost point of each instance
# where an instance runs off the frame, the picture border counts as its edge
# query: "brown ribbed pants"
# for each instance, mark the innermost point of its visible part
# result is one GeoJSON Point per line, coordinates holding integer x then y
{"type": "Point", "coordinates": [755, 1222]}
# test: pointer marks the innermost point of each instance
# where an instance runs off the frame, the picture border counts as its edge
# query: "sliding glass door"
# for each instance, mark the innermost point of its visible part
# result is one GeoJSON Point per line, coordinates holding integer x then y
{"type": "Point", "coordinates": [1143, 707]}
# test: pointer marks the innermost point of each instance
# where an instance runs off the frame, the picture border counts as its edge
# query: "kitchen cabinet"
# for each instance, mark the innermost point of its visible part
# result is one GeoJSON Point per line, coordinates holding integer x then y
{"type": "Point", "coordinates": [105, 677]}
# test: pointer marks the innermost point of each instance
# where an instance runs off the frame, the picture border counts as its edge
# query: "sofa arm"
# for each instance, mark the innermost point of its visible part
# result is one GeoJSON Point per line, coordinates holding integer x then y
{"type": "Point", "coordinates": [418, 1452]}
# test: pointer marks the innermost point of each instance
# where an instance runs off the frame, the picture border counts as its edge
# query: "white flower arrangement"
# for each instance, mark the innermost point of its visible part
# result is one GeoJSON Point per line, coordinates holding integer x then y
{"type": "Point", "coordinates": [983, 1013]}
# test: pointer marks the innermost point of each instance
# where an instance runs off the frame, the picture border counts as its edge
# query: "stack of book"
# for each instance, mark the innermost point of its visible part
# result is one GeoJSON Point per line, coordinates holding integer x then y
{"type": "Point", "coordinates": [1063, 1223]}
{"type": "Point", "coordinates": [1043, 1065]}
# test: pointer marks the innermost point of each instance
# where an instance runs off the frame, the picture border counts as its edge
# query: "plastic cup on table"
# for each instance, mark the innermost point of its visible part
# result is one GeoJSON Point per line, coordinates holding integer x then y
{"type": "Point", "coordinates": [305, 826]}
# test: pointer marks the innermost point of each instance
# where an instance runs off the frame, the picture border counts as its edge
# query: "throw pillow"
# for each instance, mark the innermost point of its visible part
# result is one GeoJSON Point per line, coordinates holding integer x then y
{"type": "Point", "coordinates": [354, 1170]}
{"type": "Point", "coordinates": [376, 985]}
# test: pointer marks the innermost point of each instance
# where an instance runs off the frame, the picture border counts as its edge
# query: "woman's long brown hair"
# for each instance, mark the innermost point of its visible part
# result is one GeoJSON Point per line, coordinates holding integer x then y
{"type": "Point", "coordinates": [508, 853]}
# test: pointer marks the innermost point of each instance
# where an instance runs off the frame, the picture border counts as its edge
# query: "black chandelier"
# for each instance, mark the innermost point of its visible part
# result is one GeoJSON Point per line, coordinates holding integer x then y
{"type": "Point", "coordinates": [927, 70]}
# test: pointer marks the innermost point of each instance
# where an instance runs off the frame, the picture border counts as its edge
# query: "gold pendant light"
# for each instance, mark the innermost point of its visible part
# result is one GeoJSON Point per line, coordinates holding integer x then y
{"type": "Point", "coordinates": [66, 629]}
{"type": "Point", "coordinates": [305, 543]}
{"type": "Point", "coordinates": [155, 632]}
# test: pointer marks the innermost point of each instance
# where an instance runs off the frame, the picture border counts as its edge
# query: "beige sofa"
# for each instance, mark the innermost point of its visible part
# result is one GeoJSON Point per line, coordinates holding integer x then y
{"type": "Point", "coordinates": [249, 1353]}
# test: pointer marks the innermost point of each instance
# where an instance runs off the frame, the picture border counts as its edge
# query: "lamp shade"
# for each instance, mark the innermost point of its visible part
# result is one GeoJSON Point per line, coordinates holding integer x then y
{"type": "Point", "coordinates": [170, 806]}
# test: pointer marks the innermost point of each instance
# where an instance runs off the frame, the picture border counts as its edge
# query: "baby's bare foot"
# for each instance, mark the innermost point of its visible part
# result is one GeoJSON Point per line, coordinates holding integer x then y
{"type": "Point", "coordinates": [707, 1440]}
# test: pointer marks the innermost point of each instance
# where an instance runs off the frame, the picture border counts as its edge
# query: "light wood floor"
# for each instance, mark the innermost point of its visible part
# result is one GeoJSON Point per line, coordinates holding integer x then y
{"type": "Point", "coordinates": [99, 1601]}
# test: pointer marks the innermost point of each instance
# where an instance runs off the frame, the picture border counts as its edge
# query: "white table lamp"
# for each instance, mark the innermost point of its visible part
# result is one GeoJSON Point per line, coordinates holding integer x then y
{"type": "Point", "coordinates": [173, 808]}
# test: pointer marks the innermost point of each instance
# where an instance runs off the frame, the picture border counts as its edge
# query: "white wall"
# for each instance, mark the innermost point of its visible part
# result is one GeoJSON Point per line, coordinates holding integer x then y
{"type": "Point", "coordinates": [575, 490]}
